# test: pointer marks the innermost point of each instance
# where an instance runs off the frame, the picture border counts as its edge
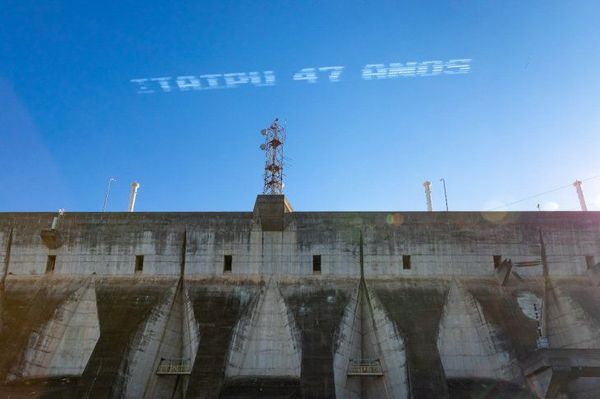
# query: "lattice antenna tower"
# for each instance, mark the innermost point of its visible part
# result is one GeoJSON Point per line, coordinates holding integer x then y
{"type": "Point", "coordinates": [273, 148]}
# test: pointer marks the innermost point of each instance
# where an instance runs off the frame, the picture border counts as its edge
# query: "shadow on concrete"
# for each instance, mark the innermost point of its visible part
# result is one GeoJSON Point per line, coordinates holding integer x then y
{"type": "Point", "coordinates": [272, 388]}
{"type": "Point", "coordinates": [465, 388]}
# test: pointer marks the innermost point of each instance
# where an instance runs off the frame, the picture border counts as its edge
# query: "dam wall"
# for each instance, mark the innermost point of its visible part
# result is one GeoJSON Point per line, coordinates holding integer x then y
{"type": "Point", "coordinates": [277, 303]}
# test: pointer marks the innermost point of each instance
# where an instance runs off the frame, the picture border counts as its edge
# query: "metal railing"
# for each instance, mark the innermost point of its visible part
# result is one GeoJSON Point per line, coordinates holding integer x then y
{"type": "Point", "coordinates": [365, 367]}
{"type": "Point", "coordinates": [174, 367]}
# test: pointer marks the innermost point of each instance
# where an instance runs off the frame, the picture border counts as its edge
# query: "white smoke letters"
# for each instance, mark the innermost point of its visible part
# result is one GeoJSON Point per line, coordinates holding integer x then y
{"type": "Point", "coordinates": [412, 69]}
{"type": "Point", "coordinates": [168, 84]}
{"type": "Point", "coordinates": [311, 75]}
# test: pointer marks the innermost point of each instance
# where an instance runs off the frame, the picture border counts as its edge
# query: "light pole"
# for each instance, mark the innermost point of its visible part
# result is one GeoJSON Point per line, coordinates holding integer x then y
{"type": "Point", "coordinates": [112, 179]}
{"type": "Point", "coordinates": [445, 194]}
{"type": "Point", "coordinates": [582, 203]}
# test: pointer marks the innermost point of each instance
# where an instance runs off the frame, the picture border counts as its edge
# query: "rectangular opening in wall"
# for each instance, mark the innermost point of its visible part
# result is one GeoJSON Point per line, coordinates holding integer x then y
{"type": "Point", "coordinates": [406, 262]}
{"type": "Point", "coordinates": [590, 261]}
{"type": "Point", "coordinates": [139, 263]}
{"type": "Point", "coordinates": [497, 261]}
{"type": "Point", "coordinates": [50, 263]}
{"type": "Point", "coordinates": [316, 264]}
{"type": "Point", "coordinates": [227, 263]}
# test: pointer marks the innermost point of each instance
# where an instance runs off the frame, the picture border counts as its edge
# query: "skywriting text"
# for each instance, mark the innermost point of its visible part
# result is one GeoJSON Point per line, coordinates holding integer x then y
{"type": "Point", "coordinates": [311, 75]}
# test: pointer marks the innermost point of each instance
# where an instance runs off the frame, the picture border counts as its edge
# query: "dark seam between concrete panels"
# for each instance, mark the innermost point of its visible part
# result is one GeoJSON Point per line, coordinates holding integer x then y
{"type": "Point", "coordinates": [6, 259]}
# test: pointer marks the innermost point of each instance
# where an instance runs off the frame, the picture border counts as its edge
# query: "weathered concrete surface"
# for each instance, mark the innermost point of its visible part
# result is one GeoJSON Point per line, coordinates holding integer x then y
{"type": "Point", "coordinates": [266, 342]}
{"type": "Point", "coordinates": [349, 347]}
{"type": "Point", "coordinates": [445, 327]}
{"type": "Point", "coordinates": [217, 305]}
{"type": "Point", "coordinates": [270, 210]}
{"type": "Point", "coordinates": [550, 371]}
{"type": "Point", "coordinates": [145, 347]}
{"type": "Point", "coordinates": [318, 306]}
{"type": "Point", "coordinates": [64, 345]}
{"type": "Point", "coordinates": [416, 309]}
{"type": "Point", "coordinates": [478, 388]}
{"type": "Point", "coordinates": [467, 343]}
{"type": "Point", "coordinates": [440, 244]}
{"type": "Point", "coordinates": [366, 333]}
{"type": "Point", "coordinates": [28, 306]}
{"type": "Point", "coordinates": [169, 334]}
{"type": "Point", "coordinates": [136, 315]}
{"type": "Point", "coordinates": [569, 325]}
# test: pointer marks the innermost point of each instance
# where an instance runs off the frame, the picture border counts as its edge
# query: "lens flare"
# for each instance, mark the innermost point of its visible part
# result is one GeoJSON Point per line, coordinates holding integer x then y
{"type": "Point", "coordinates": [394, 219]}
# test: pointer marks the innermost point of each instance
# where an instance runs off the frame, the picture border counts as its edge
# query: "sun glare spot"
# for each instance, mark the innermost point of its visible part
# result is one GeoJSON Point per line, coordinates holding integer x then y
{"type": "Point", "coordinates": [550, 206]}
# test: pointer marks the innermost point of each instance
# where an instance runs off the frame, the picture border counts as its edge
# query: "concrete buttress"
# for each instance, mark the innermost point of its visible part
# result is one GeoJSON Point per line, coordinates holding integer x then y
{"type": "Point", "coordinates": [569, 325]}
{"type": "Point", "coordinates": [165, 349]}
{"type": "Point", "coordinates": [63, 346]}
{"type": "Point", "coordinates": [266, 341]}
{"type": "Point", "coordinates": [367, 335]}
{"type": "Point", "coordinates": [467, 343]}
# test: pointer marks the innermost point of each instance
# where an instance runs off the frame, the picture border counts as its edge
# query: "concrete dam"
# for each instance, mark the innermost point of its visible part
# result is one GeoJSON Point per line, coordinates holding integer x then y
{"type": "Point", "coordinates": [275, 303]}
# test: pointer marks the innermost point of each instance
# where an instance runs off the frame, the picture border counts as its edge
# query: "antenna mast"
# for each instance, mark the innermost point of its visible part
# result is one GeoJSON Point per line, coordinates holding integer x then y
{"type": "Point", "coordinates": [273, 148]}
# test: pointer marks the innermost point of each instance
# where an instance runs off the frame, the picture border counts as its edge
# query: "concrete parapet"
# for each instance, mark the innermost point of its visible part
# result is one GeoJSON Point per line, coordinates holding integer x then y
{"type": "Point", "coordinates": [448, 243]}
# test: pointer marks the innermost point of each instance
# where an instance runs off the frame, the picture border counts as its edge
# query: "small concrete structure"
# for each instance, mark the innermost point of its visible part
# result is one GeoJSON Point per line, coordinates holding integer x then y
{"type": "Point", "coordinates": [52, 238]}
{"type": "Point", "coordinates": [270, 212]}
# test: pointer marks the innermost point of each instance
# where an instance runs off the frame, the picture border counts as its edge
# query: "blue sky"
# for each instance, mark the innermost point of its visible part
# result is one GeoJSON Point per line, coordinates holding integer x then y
{"type": "Point", "coordinates": [526, 119]}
